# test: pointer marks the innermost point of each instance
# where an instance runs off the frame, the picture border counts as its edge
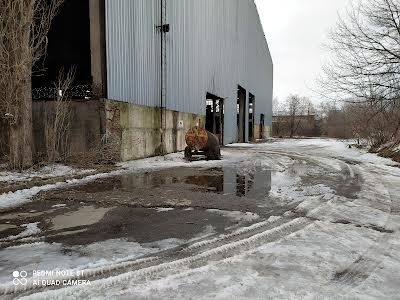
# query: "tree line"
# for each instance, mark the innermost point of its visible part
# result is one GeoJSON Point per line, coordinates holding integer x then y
{"type": "Point", "coordinates": [363, 73]}
{"type": "Point", "coordinates": [361, 81]}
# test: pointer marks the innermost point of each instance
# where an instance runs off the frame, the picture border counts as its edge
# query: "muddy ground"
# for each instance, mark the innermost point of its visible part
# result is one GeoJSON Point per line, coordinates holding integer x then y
{"type": "Point", "coordinates": [157, 205]}
{"type": "Point", "coordinates": [307, 204]}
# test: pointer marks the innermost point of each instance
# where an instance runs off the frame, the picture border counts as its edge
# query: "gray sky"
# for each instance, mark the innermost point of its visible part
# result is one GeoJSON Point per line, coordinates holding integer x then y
{"type": "Point", "coordinates": [296, 31]}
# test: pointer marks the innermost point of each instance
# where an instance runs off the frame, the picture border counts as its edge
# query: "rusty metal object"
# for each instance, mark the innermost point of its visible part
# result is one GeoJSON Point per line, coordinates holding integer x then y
{"type": "Point", "coordinates": [212, 148]}
{"type": "Point", "coordinates": [196, 138]}
{"type": "Point", "coordinates": [202, 142]}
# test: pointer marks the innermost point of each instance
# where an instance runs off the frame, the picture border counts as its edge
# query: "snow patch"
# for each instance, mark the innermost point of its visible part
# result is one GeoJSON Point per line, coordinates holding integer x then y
{"type": "Point", "coordinates": [45, 172]}
{"type": "Point", "coordinates": [58, 205]}
{"type": "Point", "coordinates": [20, 197]}
{"type": "Point", "coordinates": [30, 230]}
{"type": "Point", "coordinates": [164, 209]}
{"type": "Point", "coordinates": [100, 255]}
{"type": "Point", "coordinates": [236, 215]}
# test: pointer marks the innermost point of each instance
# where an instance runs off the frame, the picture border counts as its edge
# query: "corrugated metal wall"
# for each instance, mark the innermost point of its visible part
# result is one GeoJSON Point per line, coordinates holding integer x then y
{"type": "Point", "coordinates": [133, 51]}
{"type": "Point", "coordinates": [213, 46]}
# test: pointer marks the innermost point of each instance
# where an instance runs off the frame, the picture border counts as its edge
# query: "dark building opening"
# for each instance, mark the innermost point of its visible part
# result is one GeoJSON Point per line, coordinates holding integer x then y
{"type": "Point", "coordinates": [262, 124]}
{"type": "Point", "coordinates": [68, 47]}
{"type": "Point", "coordinates": [241, 113]}
{"type": "Point", "coordinates": [251, 117]}
{"type": "Point", "coordinates": [215, 116]}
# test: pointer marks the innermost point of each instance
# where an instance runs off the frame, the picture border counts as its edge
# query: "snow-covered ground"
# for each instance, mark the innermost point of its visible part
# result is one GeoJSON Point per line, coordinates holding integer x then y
{"type": "Point", "coordinates": [340, 240]}
{"type": "Point", "coordinates": [20, 197]}
{"type": "Point", "coordinates": [45, 172]}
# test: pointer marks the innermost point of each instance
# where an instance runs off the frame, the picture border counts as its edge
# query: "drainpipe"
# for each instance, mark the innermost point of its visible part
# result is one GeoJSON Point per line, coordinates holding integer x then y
{"type": "Point", "coordinates": [164, 28]}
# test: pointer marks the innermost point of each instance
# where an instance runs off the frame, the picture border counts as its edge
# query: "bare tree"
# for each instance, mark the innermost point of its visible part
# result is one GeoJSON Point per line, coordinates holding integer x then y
{"type": "Point", "coordinates": [364, 71]}
{"type": "Point", "coordinates": [370, 121]}
{"type": "Point", "coordinates": [332, 119]}
{"type": "Point", "coordinates": [57, 120]}
{"type": "Point", "coordinates": [24, 26]}
{"type": "Point", "coordinates": [363, 120]}
{"type": "Point", "coordinates": [296, 106]}
{"type": "Point", "coordinates": [294, 116]}
{"type": "Point", "coordinates": [276, 106]}
{"type": "Point", "coordinates": [277, 122]}
{"type": "Point", "coordinates": [366, 56]}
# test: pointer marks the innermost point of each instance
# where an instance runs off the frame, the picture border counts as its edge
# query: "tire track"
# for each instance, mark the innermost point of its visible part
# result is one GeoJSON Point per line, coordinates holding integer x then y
{"type": "Point", "coordinates": [199, 253]}
{"type": "Point", "coordinates": [363, 267]}
{"type": "Point", "coordinates": [232, 243]}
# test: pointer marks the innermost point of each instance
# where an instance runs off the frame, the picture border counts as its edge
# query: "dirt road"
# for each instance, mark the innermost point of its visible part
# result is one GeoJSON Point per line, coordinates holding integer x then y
{"type": "Point", "coordinates": [292, 218]}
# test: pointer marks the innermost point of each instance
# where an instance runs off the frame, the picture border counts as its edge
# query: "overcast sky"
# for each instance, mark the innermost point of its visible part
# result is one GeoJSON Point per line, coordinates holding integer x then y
{"type": "Point", "coordinates": [296, 31]}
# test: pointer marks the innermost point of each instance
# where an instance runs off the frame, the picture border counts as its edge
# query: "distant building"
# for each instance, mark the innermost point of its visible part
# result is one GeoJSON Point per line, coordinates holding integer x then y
{"type": "Point", "coordinates": [148, 70]}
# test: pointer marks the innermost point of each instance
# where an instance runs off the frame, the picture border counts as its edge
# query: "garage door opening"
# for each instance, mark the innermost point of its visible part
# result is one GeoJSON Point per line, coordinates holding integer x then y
{"type": "Point", "coordinates": [251, 117]}
{"type": "Point", "coordinates": [215, 116]}
{"type": "Point", "coordinates": [241, 122]}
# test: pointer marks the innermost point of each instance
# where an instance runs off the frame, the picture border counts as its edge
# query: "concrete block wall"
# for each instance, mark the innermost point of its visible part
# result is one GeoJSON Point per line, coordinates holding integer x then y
{"type": "Point", "coordinates": [256, 132]}
{"type": "Point", "coordinates": [178, 123]}
{"type": "Point", "coordinates": [138, 128]}
{"type": "Point", "coordinates": [266, 132]}
{"type": "Point", "coordinates": [86, 129]}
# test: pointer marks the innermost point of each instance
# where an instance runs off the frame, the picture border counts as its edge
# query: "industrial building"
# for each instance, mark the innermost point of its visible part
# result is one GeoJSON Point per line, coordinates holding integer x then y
{"type": "Point", "coordinates": [161, 67]}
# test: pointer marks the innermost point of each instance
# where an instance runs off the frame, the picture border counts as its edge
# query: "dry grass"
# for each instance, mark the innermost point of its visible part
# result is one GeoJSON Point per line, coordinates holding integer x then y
{"type": "Point", "coordinates": [58, 121]}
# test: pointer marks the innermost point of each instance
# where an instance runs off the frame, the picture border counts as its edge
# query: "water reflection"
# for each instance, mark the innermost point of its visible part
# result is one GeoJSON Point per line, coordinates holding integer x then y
{"type": "Point", "coordinates": [250, 185]}
{"type": "Point", "coordinates": [227, 181]}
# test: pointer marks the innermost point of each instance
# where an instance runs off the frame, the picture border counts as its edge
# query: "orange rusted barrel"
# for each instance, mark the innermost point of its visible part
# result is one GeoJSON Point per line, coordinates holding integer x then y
{"type": "Point", "coordinates": [196, 138]}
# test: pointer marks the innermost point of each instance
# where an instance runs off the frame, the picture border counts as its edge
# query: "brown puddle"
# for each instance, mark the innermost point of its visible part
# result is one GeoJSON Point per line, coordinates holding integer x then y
{"type": "Point", "coordinates": [227, 181]}
{"type": "Point", "coordinates": [84, 216]}
{"type": "Point", "coordinates": [143, 225]}
{"type": "Point", "coordinates": [152, 206]}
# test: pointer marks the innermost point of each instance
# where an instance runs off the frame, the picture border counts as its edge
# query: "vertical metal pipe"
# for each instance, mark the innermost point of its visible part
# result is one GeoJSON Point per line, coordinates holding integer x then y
{"type": "Point", "coordinates": [161, 71]}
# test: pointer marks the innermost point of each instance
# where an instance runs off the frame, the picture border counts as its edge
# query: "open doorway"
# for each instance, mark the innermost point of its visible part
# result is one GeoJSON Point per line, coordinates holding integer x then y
{"type": "Point", "coordinates": [262, 122]}
{"type": "Point", "coordinates": [241, 125]}
{"type": "Point", "coordinates": [251, 117]}
{"type": "Point", "coordinates": [215, 116]}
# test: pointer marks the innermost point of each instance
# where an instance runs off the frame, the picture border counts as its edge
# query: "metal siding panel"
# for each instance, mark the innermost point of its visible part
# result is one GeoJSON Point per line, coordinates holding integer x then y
{"type": "Point", "coordinates": [133, 51]}
{"type": "Point", "coordinates": [213, 46]}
